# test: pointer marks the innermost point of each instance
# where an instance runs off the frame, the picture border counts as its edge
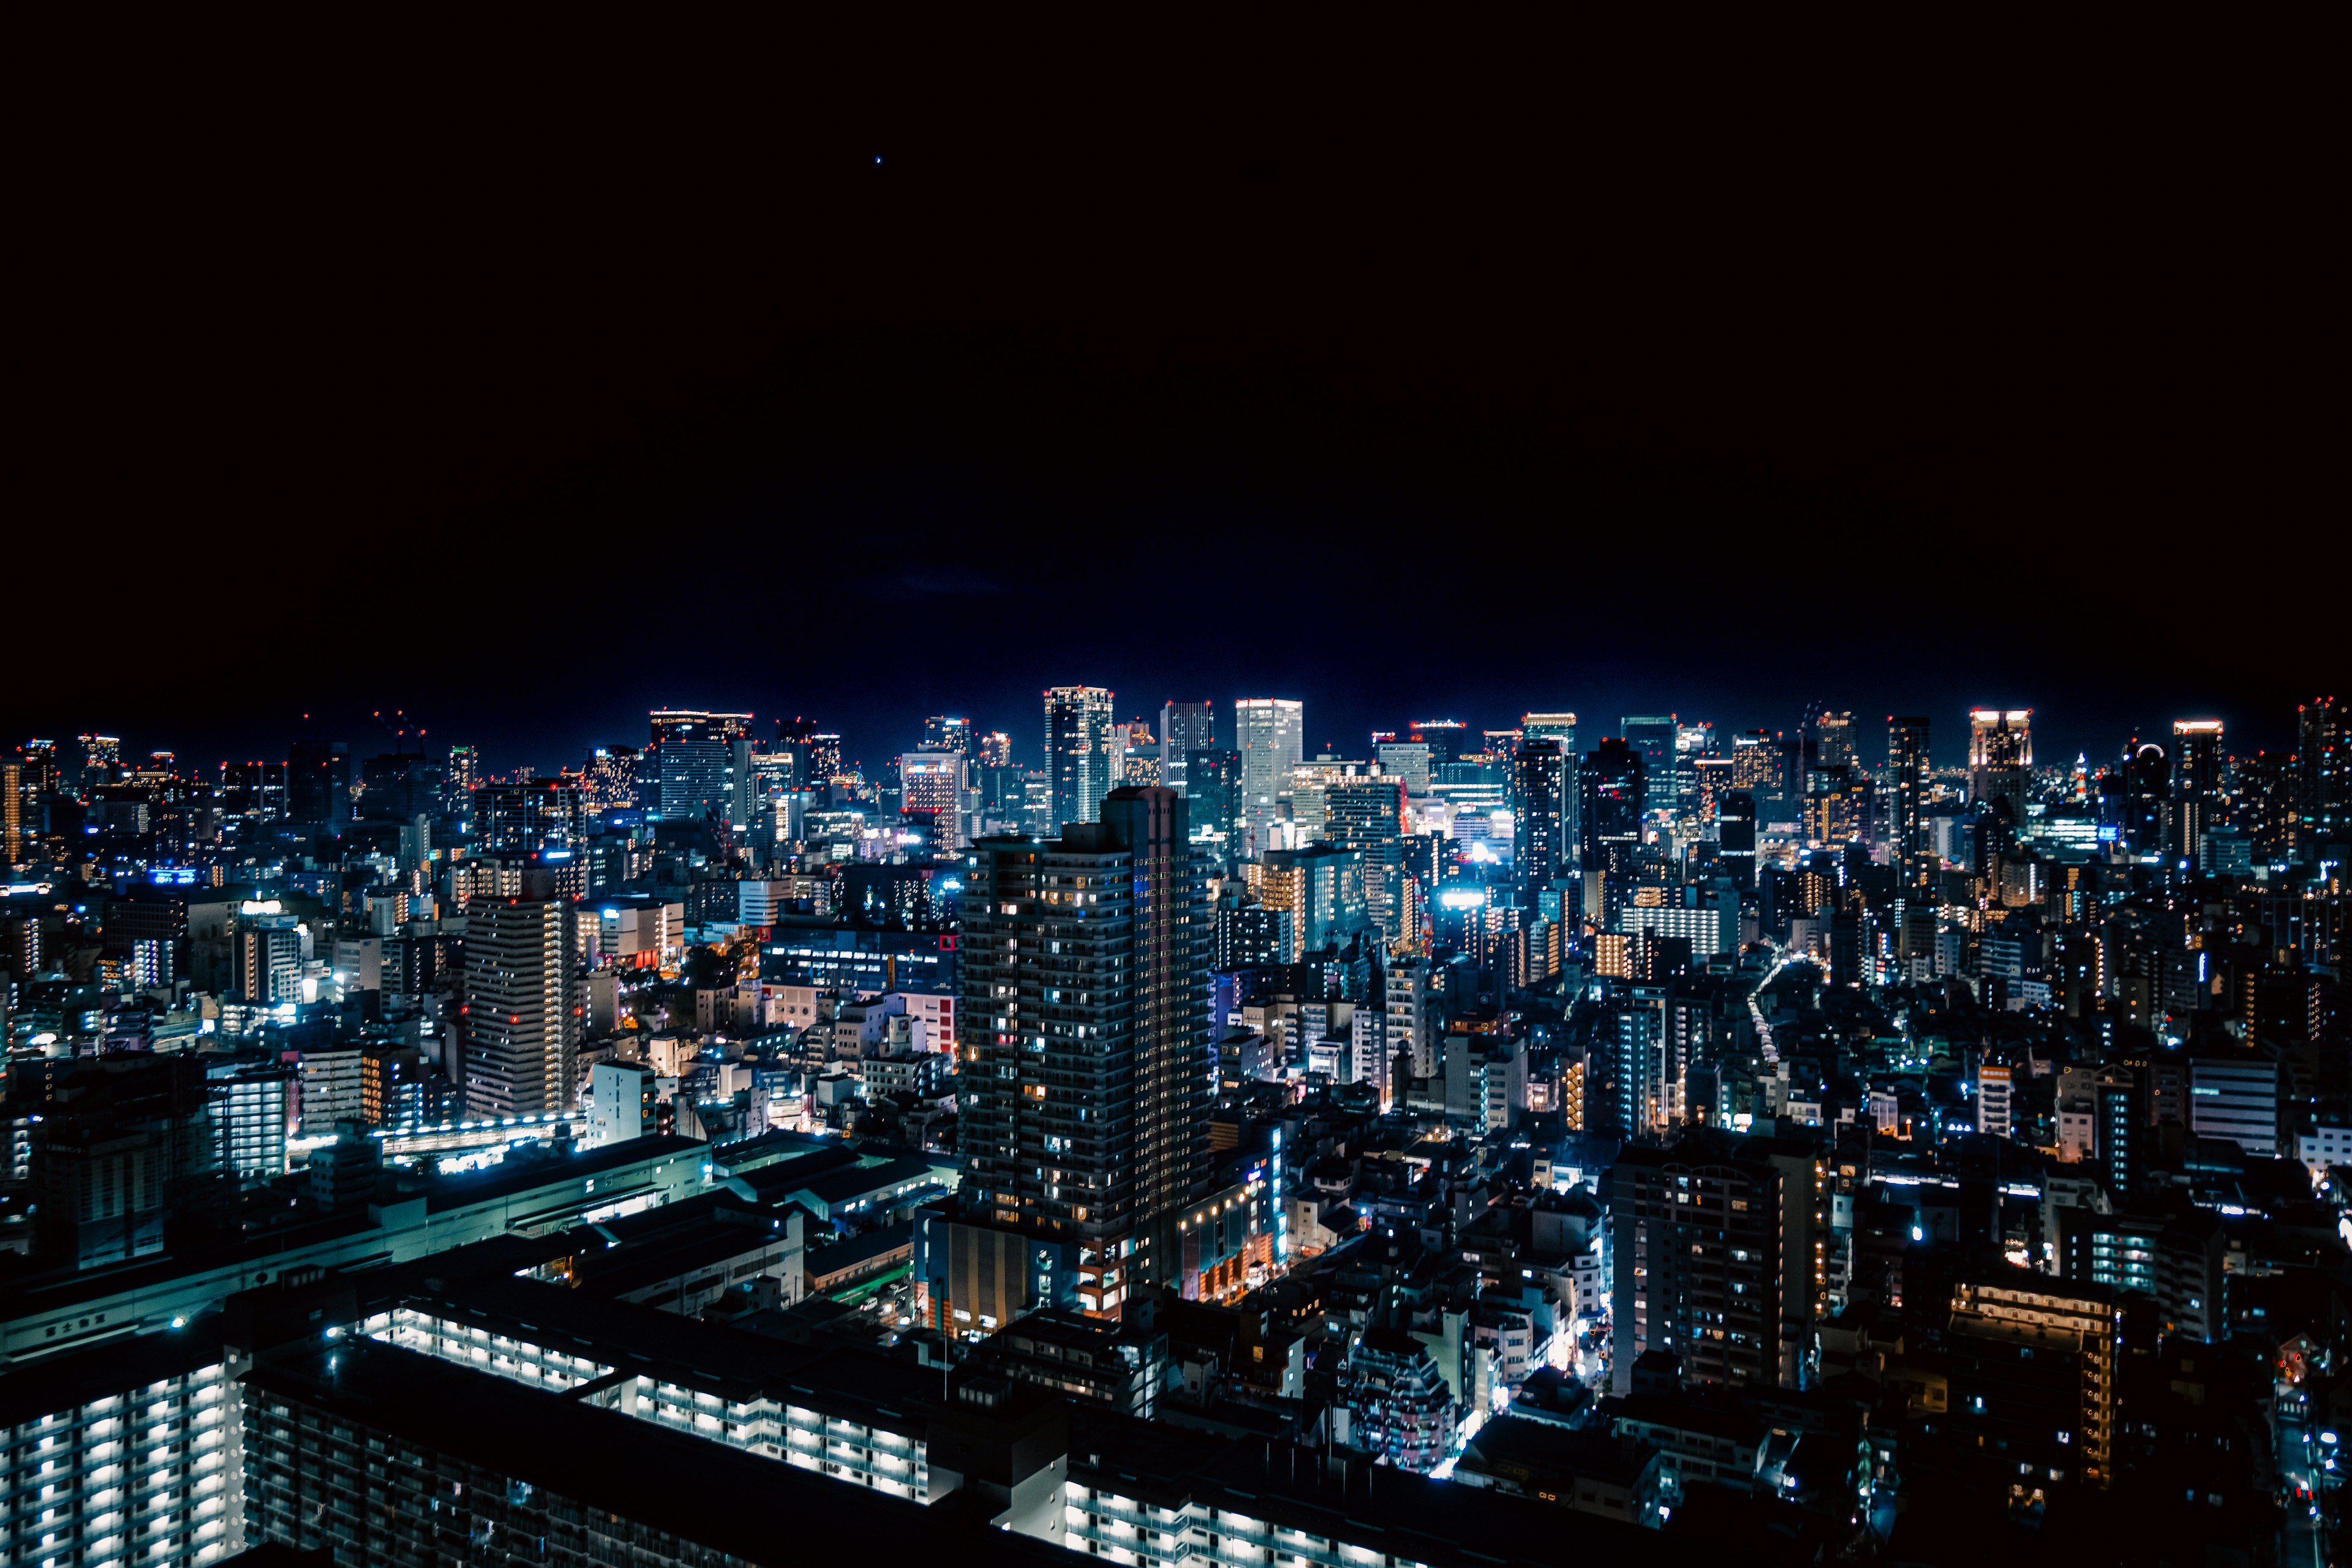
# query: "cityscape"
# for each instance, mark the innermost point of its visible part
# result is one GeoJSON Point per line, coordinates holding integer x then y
{"type": "Point", "coordinates": [1142, 1138]}
{"type": "Point", "coordinates": [1499, 797]}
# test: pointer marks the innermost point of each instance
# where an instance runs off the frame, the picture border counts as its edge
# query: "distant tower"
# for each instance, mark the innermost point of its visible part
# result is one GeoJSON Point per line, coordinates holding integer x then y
{"type": "Point", "coordinates": [1909, 773]}
{"type": "Point", "coordinates": [1084, 748]}
{"type": "Point", "coordinates": [1269, 732]}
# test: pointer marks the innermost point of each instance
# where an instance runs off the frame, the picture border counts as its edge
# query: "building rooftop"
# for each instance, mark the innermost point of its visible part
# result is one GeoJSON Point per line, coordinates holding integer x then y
{"type": "Point", "coordinates": [60, 1383]}
{"type": "Point", "coordinates": [760, 1509]}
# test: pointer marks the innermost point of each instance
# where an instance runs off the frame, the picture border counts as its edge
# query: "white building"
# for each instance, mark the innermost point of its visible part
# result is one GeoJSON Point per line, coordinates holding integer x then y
{"type": "Point", "coordinates": [616, 1099]}
{"type": "Point", "coordinates": [1269, 732]}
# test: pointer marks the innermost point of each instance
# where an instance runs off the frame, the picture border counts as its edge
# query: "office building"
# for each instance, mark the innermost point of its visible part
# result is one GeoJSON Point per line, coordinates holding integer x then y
{"type": "Point", "coordinates": [691, 760]}
{"type": "Point", "coordinates": [1322, 887]}
{"type": "Point", "coordinates": [2324, 776]}
{"type": "Point", "coordinates": [1560, 728]}
{"type": "Point", "coordinates": [519, 816]}
{"type": "Point", "coordinates": [1184, 728]}
{"type": "Point", "coordinates": [2198, 801]}
{"type": "Point", "coordinates": [933, 786]}
{"type": "Point", "coordinates": [1612, 789]}
{"type": "Point", "coordinates": [1086, 1047]}
{"type": "Point", "coordinates": [253, 1110]}
{"type": "Point", "coordinates": [2000, 758]}
{"type": "Point", "coordinates": [319, 783]}
{"type": "Point", "coordinates": [1214, 791]}
{"type": "Point", "coordinates": [1269, 732]}
{"type": "Point", "coordinates": [1407, 761]}
{"type": "Point", "coordinates": [1735, 835]}
{"type": "Point", "coordinates": [1444, 740]}
{"type": "Point", "coordinates": [1909, 777]}
{"type": "Point", "coordinates": [1086, 750]}
{"type": "Point", "coordinates": [1827, 738]}
{"type": "Point", "coordinates": [524, 1004]}
{"type": "Point", "coordinates": [941, 733]}
{"type": "Point", "coordinates": [2236, 1100]}
{"type": "Point", "coordinates": [1538, 849]}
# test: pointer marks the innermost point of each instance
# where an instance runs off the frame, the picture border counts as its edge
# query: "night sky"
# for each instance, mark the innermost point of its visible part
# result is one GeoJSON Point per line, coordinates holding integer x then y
{"type": "Point", "coordinates": [525, 414]}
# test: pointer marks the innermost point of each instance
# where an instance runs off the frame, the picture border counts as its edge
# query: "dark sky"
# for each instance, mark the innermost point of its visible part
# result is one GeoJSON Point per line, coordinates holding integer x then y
{"type": "Point", "coordinates": [524, 400]}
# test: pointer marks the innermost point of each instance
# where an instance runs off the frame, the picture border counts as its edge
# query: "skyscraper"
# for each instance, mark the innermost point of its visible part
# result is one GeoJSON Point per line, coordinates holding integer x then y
{"type": "Point", "coordinates": [1269, 734]}
{"type": "Point", "coordinates": [2196, 787]}
{"type": "Point", "coordinates": [1559, 727]}
{"type": "Point", "coordinates": [1735, 833]}
{"type": "Point", "coordinates": [1827, 738]}
{"type": "Point", "coordinates": [1612, 789]}
{"type": "Point", "coordinates": [1653, 735]}
{"type": "Point", "coordinates": [1184, 727]}
{"type": "Point", "coordinates": [1213, 797]}
{"type": "Point", "coordinates": [2148, 797]}
{"type": "Point", "coordinates": [933, 784]}
{"type": "Point", "coordinates": [523, 1003]}
{"type": "Point", "coordinates": [2324, 762]}
{"type": "Point", "coordinates": [692, 763]}
{"type": "Point", "coordinates": [1448, 739]}
{"type": "Point", "coordinates": [319, 783]}
{"type": "Point", "coordinates": [2001, 757]}
{"type": "Point", "coordinates": [1084, 748]}
{"type": "Point", "coordinates": [1908, 772]}
{"type": "Point", "coordinates": [945, 734]}
{"type": "Point", "coordinates": [1086, 1041]}
{"type": "Point", "coordinates": [1537, 852]}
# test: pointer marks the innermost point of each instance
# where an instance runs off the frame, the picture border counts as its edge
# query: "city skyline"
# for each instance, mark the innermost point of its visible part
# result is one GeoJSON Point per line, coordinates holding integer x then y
{"type": "Point", "coordinates": [1075, 816]}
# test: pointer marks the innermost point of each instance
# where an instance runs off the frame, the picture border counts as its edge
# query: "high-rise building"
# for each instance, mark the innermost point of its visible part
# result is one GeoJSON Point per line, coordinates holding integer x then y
{"type": "Point", "coordinates": [1323, 889]}
{"type": "Point", "coordinates": [1084, 751]}
{"type": "Point", "coordinates": [2000, 758]}
{"type": "Point", "coordinates": [945, 734]}
{"type": "Point", "coordinates": [524, 1005]}
{"type": "Point", "coordinates": [517, 815]}
{"type": "Point", "coordinates": [2197, 794]}
{"type": "Point", "coordinates": [2148, 797]}
{"type": "Point", "coordinates": [2236, 1100]}
{"type": "Point", "coordinates": [1909, 774]}
{"type": "Point", "coordinates": [1612, 790]}
{"type": "Point", "coordinates": [1715, 1262]}
{"type": "Point", "coordinates": [1407, 761]}
{"type": "Point", "coordinates": [1758, 764]}
{"type": "Point", "coordinates": [1448, 739]}
{"type": "Point", "coordinates": [609, 782]}
{"type": "Point", "coordinates": [1538, 850]}
{"type": "Point", "coordinates": [1087, 1045]}
{"type": "Point", "coordinates": [1828, 738]}
{"type": "Point", "coordinates": [692, 763]}
{"type": "Point", "coordinates": [1141, 750]}
{"type": "Point", "coordinates": [1184, 728]}
{"type": "Point", "coordinates": [1269, 732]}
{"type": "Point", "coordinates": [121, 1151]}
{"type": "Point", "coordinates": [1735, 832]}
{"type": "Point", "coordinates": [2324, 762]}
{"type": "Point", "coordinates": [319, 783]}
{"type": "Point", "coordinates": [993, 750]}
{"type": "Point", "coordinates": [933, 784]}
{"type": "Point", "coordinates": [460, 779]}
{"type": "Point", "coordinates": [1653, 735]}
{"type": "Point", "coordinates": [1213, 793]}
